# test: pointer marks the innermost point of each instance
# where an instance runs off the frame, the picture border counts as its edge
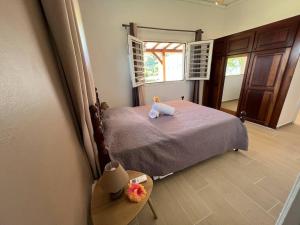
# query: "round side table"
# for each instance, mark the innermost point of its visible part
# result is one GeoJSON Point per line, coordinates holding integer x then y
{"type": "Point", "coordinates": [121, 211]}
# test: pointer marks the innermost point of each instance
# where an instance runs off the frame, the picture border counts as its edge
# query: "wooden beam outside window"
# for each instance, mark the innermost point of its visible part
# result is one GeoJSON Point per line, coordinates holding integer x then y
{"type": "Point", "coordinates": [164, 65]}
{"type": "Point", "coordinates": [163, 50]}
{"type": "Point", "coordinates": [158, 58]}
{"type": "Point", "coordinates": [162, 59]}
{"type": "Point", "coordinates": [177, 46]}
{"type": "Point", "coordinates": [155, 45]}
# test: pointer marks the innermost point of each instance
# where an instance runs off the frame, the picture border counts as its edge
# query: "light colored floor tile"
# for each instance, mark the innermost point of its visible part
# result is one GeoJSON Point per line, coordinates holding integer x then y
{"type": "Point", "coordinates": [231, 105]}
{"type": "Point", "coordinates": [223, 213]}
{"type": "Point", "coordinates": [238, 199]}
{"type": "Point", "coordinates": [236, 188]}
{"type": "Point", "coordinates": [275, 211]}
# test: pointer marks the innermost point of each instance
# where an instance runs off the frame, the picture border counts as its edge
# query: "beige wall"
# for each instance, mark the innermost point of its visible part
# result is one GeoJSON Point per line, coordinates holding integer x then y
{"type": "Point", "coordinates": [107, 40]}
{"type": "Point", "coordinates": [44, 175]}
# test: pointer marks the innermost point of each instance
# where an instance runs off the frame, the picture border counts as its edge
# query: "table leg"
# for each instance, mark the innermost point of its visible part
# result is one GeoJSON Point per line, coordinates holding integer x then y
{"type": "Point", "coordinates": [152, 208]}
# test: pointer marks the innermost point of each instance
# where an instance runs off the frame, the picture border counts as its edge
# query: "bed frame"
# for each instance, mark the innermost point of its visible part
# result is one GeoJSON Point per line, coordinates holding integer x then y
{"type": "Point", "coordinates": [97, 116]}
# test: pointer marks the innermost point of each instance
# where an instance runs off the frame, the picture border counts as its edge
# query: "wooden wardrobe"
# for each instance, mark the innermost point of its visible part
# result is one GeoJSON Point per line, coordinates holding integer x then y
{"type": "Point", "coordinates": [273, 51]}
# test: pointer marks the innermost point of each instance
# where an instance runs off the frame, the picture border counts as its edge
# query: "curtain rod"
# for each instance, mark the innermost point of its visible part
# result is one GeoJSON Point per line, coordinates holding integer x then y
{"type": "Point", "coordinates": [166, 29]}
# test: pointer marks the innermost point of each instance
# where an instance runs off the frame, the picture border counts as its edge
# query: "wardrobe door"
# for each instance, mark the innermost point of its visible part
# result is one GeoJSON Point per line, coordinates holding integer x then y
{"type": "Point", "coordinates": [277, 35]}
{"type": "Point", "coordinates": [213, 88]}
{"type": "Point", "coordinates": [240, 43]}
{"type": "Point", "coordinates": [263, 80]}
{"type": "Point", "coordinates": [212, 92]}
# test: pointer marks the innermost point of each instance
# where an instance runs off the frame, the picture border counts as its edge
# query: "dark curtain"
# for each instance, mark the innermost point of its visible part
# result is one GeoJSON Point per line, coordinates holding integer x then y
{"type": "Point", "coordinates": [137, 92]}
{"type": "Point", "coordinates": [196, 87]}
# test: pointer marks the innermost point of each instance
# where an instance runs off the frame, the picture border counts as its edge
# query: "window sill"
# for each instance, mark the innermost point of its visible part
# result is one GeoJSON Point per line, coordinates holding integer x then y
{"type": "Point", "coordinates": [234, 75]}
{"type": "Point", "coordinates": [163, 82]}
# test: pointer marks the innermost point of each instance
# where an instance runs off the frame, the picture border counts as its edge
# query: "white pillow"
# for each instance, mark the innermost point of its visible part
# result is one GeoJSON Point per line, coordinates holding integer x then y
{"type": "Point", "coordinates": [163, 108]}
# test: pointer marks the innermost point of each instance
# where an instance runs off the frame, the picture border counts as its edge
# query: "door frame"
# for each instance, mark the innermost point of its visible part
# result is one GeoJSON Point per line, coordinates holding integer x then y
{"type": "Point", "coordinates": [237, 112]}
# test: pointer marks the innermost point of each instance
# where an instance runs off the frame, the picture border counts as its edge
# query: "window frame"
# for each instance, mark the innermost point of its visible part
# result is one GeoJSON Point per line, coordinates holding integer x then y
{"type": "Point", "coordinates": [136, 55]}
{"type": "Point", "coordinates": [191, 57]}
{"type": "Point", "coordinates": [183, 61]}
{"type": "Point", "coordinates": [189, 52]}
{"type": "Point", "coordinates": [237, 56]}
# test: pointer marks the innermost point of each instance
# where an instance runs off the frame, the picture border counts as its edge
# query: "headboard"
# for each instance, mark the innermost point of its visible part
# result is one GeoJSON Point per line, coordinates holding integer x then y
{"type": "Point", "coordinates": [96, 117]}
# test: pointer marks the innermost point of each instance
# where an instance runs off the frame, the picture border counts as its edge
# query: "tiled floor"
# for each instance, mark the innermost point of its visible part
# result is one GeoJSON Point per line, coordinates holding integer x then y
{"type": "Point", "coordinates": [236, 188]}
{"type": "Point", "coordinates": [231, 105]}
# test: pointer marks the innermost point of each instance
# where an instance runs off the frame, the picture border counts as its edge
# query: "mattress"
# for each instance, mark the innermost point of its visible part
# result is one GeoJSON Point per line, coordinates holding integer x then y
{"type": "Point", "coordinates": [170, 143]}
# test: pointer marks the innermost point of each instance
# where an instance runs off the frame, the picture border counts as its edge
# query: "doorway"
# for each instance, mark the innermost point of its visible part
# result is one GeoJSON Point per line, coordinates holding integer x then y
{"type": "Point", "coordinates": [233, 80]}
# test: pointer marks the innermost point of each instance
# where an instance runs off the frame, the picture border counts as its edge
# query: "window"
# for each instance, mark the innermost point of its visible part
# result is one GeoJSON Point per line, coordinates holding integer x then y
{"type": "Point", "coordinates": [199, 55]}
{"type": "Point", "coordinates": [136, 61]}
{"type": "Point", "coordinates": [163, 61]}
{"type": "Point", "coordinates": [151, 62]}
{"type": "Point", "coordinates": [236, 65]}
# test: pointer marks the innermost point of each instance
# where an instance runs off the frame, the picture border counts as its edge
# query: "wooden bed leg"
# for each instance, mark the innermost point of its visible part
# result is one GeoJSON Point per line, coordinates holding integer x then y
{"type": "Point", "coordinates": [243, 116]}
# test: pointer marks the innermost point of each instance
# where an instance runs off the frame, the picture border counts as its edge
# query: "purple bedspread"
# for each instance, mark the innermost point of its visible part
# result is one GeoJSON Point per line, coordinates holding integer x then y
{"type": "Point", "coordinates": [170, 143]}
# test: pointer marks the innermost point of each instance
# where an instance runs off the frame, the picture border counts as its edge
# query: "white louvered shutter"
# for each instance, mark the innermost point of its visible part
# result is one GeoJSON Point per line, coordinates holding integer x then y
{"type": "Point", "coordinates": [136, 61]}
{"type": "Point", "coordinates": [198, 60]}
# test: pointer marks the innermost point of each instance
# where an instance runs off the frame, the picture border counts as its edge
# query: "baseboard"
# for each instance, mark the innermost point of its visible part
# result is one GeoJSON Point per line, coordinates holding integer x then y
{"type": "Point", "coordinates": [290, 212]}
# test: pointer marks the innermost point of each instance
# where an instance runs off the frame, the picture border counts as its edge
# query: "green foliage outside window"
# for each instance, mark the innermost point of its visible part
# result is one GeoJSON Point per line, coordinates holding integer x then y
{"type": "Point", "coordinates": [236, 65]}
{"type": "Point", "coordinates": [151, 66]}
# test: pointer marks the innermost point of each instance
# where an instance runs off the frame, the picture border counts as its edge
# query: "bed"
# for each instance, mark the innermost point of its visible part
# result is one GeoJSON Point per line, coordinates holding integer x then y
{"type": "Point", "coordinates": [169, 143]}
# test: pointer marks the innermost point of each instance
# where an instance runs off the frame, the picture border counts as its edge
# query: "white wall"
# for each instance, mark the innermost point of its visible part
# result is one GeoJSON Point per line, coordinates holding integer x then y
{"type": "Point", "coordinates": [232, 87]}
{"type": "Point", "coordinates": [292, 102]}
{"type": "Point", "coordinates": [107, 40]}
{"type": "Point", "coordinates": [248, 14]}
{"type": "Point", "coordinates": [168, 90]}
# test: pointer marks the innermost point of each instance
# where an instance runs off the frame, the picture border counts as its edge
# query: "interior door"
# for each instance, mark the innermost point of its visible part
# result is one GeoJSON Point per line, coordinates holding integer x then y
{"type": "Point", "coordinates": [216, 81]}
{"type": "Point", "coordinates": [212, 93]}
{"type": "Point", "coordinates": [263, 80]}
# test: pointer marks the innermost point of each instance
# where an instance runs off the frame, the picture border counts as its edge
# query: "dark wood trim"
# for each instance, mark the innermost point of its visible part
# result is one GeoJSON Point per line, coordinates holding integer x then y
{"type": "Point", "coordinates": [196, 86]}
{"type": "Point", "coordinates": [219, 52]}
{"type": "Point", "coordinates": [287, 78]}
{"type": "Point", "coordinates": [242, 116]}
{"type": "Point", "coordinates": [243, 83]}
{"type": "Point", "coordinates": [221, 89]}
{"type": "Point", "coordinates": [165, 29]}
{"type": "Point", "coordinates": [133, 29]}
{"type": "Point", "coordinates": [198, 35]}
{"type": "Point", "coordinates": [135, 90]}
{"type": "Point", "coordinates": [228, 111]}
{"type": "Point", "coordinates": [96, 117]}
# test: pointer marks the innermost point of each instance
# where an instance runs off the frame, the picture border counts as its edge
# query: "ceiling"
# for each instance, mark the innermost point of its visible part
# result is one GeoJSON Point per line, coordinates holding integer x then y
{"type": "Point", "coordinates": [212, 2]}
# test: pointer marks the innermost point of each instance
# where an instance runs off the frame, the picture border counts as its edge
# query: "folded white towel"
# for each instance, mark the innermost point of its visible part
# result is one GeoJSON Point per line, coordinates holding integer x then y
{"type": "Point", "coordinates": [153, 114]}
{"type": "Point", "coordinates": [163, 108]}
